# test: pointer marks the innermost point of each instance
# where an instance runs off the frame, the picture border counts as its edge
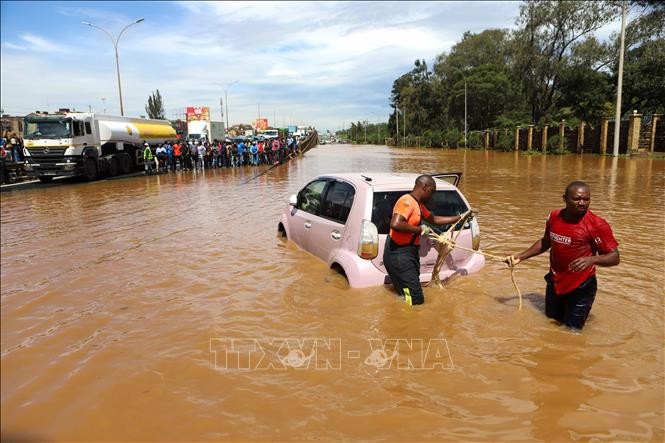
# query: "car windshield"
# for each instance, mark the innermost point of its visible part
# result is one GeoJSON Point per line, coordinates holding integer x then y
{"type": "Point", "coordinates": [442, 203]}
{"type": "Point", "coordinates": [51, 128]}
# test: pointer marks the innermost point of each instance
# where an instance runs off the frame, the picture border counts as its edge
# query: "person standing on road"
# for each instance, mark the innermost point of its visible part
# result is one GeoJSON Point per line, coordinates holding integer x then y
{"type": "Point", "coordinates": [147, 158]}
{"type": "Point", "coordinates": [275, 150]}
{"type": "Point", "coordinates": [177, 155]}
{"type": "Point", "coordinates": [169, 156]}
{"type": "Point", "coordinates": [578, 241]}
{"type": "Point", "coordinates": [400, 255]}
{"type": "Point", "coordinates": [201, 152]}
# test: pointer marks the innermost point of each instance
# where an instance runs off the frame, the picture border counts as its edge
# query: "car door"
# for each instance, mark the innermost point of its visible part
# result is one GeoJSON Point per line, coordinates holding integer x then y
{"type": "Point", "coordinates": [308, 206]}
{"type": "Point", "coordinates": [327, 231]}
{"type": "Point", "coordinates": [451, 177]}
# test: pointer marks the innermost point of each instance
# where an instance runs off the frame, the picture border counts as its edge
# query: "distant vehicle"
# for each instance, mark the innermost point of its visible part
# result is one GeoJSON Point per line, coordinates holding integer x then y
{"type": "Point", "coordinates": [87, 144]}
{"type": "Point", "coordinates": [270, 134]}
{"type": "Point", "coordinates": [205, 130]}
{"type": "Point", "coordinates": [344, 219]}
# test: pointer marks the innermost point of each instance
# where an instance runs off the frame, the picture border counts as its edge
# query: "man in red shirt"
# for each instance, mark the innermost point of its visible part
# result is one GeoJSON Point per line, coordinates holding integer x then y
{"type": "Point", "coordinates": [400, 255]}
{"type": "Point", "coordinates": [579, 241]}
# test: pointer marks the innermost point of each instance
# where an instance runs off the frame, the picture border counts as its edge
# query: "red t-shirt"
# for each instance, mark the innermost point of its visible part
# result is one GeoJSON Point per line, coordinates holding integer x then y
{"type": "Point", "coordinates": [412, 211]}
{"type": "Point", "coordinates": [590, 236]}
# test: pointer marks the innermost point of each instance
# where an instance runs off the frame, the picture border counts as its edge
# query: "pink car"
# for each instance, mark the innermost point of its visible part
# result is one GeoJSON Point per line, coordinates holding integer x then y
{"type": "Point", "coordinates": [344, 219]}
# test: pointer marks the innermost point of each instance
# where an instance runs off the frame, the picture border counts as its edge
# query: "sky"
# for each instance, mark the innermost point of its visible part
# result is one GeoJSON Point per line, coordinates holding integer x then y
{"type": "Point", "coordinates": [322, 64]}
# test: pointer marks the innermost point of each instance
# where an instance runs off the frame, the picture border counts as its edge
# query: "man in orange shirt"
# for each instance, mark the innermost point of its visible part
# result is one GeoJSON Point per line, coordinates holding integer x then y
{"type": "Point", "coordinates": [400, 255]}
{"type": "Point", "coordinates": [177, 156]}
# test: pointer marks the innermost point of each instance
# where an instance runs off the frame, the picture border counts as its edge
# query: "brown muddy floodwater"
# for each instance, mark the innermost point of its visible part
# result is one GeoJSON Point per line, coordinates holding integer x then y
{"type": "Point", "coordinates": [166, 308]}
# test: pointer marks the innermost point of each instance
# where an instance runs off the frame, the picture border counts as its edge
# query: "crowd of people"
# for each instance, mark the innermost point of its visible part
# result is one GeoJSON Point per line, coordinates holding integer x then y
{"type": "Point", "coordinates": [201, 154]}
{"type": "Point", "coordinates": [11, 157]}
{"type": "Point", "coordinates": [11, 147]}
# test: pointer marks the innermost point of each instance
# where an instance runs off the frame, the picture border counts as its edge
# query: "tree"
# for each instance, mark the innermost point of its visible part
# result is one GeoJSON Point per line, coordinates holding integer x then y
{"type": "Point", "coordinates": [548, 31]}
{"type": "Point", "coordinates": [644, 64]}
{"type": "Point", "coordinates": [586, 92]}
{"type": "Point", "coordinates": [155, 106]}
{"type": "Point", "coordinates": [483, 59]}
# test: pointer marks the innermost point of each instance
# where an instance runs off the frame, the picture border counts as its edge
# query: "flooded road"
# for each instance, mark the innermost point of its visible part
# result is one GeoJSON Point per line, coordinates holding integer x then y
{"type": "Point", "coordinates": [166, 308]}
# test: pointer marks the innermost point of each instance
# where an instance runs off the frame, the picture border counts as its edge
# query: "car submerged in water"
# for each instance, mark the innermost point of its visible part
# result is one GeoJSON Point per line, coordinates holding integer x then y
{"type": "Point", "coordinates": [344, 220]}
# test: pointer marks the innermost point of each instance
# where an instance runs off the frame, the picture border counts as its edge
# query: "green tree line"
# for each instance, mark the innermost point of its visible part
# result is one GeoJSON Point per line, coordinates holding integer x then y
{"type": "Point", "coordinates": [364, 132]}
{"type": "Point", "coordinates": [552, 66]}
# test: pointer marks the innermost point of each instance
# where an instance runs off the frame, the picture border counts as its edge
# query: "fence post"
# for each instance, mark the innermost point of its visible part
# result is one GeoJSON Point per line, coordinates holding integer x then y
{"type": "Point", "coordinates": [562, 132]}
{"type": "Point", "coordinates": [580, 137]}
{"type": "Point", "coordinates": [604, 123]}
{"type": "Point", "coordinates": [529, 138]}
{"type": "Point", "coordinates": [544, 139]}
{"type": "Point", "coordinates": [517, 138]}
{"type": "Point", "coordinates": [634, 132]}
{"type": "Point", "coordinates": [486, 139]}
{"type": "Point", "coordinates": [654, 119]}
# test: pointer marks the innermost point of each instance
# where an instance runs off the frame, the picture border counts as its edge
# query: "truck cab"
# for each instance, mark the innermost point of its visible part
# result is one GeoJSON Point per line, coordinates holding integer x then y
{"type": "Point", "coordinates": [54, 144]}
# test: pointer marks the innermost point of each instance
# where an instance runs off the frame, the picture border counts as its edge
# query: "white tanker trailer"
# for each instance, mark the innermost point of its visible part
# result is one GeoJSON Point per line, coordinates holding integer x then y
{"type": "Point", "coordinates": [89, 145]}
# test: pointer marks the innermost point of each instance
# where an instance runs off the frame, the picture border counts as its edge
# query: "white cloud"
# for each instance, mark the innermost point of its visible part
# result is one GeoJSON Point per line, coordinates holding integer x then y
{"type": "Point", "coordinates": [40, 44]}
{"type": "Point", "coordinates": [315, 62]}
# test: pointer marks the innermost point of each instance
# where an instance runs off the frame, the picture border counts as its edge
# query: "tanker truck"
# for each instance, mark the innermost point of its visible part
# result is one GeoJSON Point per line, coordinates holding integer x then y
{"type": "Point", "coordinates": [89, 145]}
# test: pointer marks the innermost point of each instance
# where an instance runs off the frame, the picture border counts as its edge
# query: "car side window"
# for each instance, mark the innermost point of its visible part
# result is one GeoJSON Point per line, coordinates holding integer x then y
{"type": "Point", "coordinates": [442, 203]}
{"type": "Point", "coordinates": [310, 198]}
{"type": "Point", "coordinates": [88, 128]}
{"type": "Point", "coordinates": [338, 201]}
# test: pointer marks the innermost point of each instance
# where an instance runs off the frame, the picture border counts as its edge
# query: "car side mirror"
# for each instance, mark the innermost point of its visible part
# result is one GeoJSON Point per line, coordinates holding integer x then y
{"type": "Point", "coordinates": [293, 200]}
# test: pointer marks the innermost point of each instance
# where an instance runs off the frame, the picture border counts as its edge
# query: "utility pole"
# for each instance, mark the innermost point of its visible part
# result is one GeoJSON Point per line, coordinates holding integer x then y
{"type": "Point", "coordinates": [397, 119]}
{"type": "Point", "coordinates": [617, 115]}
{"type": "Point", "coordinates": [115, 47]}
{"type": "Point", "coordinates": [404, 125]}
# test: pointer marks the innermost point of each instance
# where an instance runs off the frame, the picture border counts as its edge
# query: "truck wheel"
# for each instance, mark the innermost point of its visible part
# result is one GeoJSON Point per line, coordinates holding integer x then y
{"type": "Point", "coordinates": [125, 163]}
{"type": "Point", "coordinates": [45, 178]}
{"type": "Point", "coordinates": [113, 166]}
{"type": "Point", "coordinates": [90, 169]}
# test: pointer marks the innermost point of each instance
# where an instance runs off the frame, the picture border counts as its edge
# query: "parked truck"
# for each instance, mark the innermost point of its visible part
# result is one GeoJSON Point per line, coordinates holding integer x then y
{"type": "Point", "coordinates": [205, 130]}
{"type": "Point", "coordinates": [88, 145]}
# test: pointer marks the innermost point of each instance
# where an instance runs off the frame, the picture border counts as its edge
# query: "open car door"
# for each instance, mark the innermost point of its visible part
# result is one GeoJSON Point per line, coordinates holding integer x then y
{"type": "Point", "coordinates": [451, 177]}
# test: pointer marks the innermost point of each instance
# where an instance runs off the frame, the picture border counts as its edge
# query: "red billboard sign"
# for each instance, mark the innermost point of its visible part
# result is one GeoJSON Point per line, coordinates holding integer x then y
{"type": "Point", "coordinates": [261, 124]}
{"type": "Point", "coordinates": [195, 113]}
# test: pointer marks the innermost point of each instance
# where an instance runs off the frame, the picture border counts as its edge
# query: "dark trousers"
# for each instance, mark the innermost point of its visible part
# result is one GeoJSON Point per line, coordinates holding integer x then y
{"type": "Point", "coordinates": [571, 309]}
{"type": "Point", "coordinates": [403, 266]}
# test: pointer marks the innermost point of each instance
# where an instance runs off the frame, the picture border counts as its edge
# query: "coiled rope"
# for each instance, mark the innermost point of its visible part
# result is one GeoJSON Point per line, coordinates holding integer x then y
{"type": "Point", "coordinates": [445, 246]}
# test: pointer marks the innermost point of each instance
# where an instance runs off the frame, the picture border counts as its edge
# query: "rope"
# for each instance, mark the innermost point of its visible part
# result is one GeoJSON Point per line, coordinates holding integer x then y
{"type": "Point", "coordinates": [450, 243]}
{"type": "Point", "coordinates": [444, 249]}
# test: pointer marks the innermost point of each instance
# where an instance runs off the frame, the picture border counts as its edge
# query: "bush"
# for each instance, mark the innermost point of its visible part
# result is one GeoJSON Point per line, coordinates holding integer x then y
{"type": "Point", "coordinates": [475, 140]}
{"type": "Point", "coordinates": [451, 138]}
{"type": "Point", "coordinates": [505, 141]}
{"type": "Point", "coordinates": [553, 145]}
{"type": "Point", "coordinates": [436, 140]}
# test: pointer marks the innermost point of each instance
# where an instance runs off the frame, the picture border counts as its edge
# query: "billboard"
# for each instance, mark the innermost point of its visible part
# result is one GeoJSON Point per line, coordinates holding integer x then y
{"type": "Point", "coordinates": [292, 129]}
{"type": "Point", "coordinates": [195, 113]}
{"type": "Point", "coordinates": [261, 124]}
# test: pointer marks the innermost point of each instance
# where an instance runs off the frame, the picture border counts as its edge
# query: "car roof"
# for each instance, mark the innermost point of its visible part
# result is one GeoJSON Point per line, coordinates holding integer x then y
{"type": "Point", "coordinates": [385, 180]}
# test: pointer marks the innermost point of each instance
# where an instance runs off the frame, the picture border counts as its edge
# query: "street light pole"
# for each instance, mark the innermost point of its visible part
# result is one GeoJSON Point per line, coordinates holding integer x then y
{"type": "Point", "coordinates": [115, 47]}
{"type": "Point", "coordinates": [617, 115]}
{"type": "Point", "coordinates": [226, 102]}
{"type": "Point", "coordinates": [397, 119]}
